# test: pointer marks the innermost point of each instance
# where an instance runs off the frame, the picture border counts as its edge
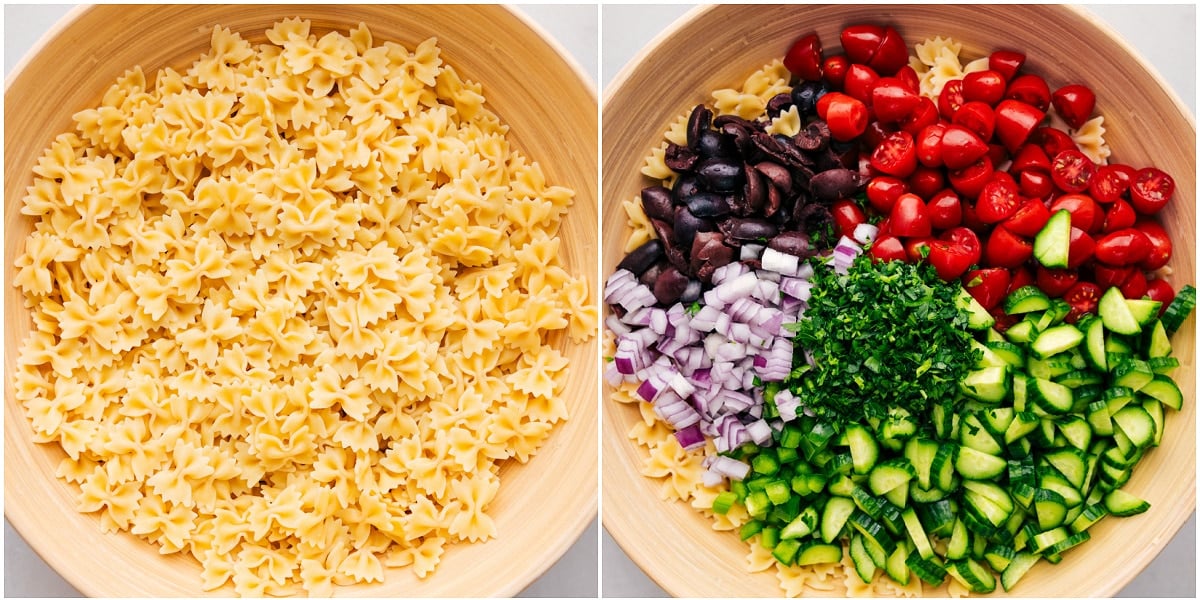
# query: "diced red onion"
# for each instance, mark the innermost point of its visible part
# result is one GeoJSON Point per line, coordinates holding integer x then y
{"type": "Point", "coordinates": [751, 251]}
{"type": "Point", "coordinates": [799, 289]}
{"type": "Point", "coordinates": [706, 319]}
{"type": "Point", "coordinates": [737, 287]}
{"type": "Point", "coordinates": [615, 325]}
{"type": "Point", "coordinates": [788, 404]}
{"type": "Point", "coordinates": [780, 262]}
{"type": "Point", "coordinates": [710, 478]}
{"type": "Point", "coordinates": [844, 254]}
{"type": "Point", "coordinates": [690, 437]}
{"type": "Point", "coordinates": [728, 467]}
{"type": "Point", "coordinates": [865, 233]}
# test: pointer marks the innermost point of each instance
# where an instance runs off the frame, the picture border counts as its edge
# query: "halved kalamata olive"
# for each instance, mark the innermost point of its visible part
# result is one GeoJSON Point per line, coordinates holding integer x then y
{"type": "Point", "coordinates": [716, 145]}
{"type": "Point", "coordinates": [755, 190]}
{"type": "Point", "coordinates": [698, 122]}
{"type": "Point", "coordinates": [749, 229]}
{"type": "Point", "coordinates": [708, 254]}
{"type": "Point", "coordinates": [805, 96]}
{"type": "Point", "coordinates": [670, 285]}
{"type": "Point", "coordinates": [680, 158]}
{"type": "Point", "coordinates": [720, 175]}
{"type": "Point", "coordinates": [814, 137]}
{"type": "Point", "coordinates": [642, 257]}
{"type": "Point", "coordinates": [665, 231]}
{"type": "Point", "coordinates": [707, 204]}
{"type": "Point", "coordinates": [686, 225]}
{"type": "Point", "coordinates": [778, 174]}
{"type": "Point", "coordinates": [651, 275]}
{"type": "Point", "coordinates": [685, 186]}
{"type": "Point", "coordinates": [778, 103]}
{"type": "Point", "coordinates": [815, 217]}
{"type": "Point", "coordinates": [834, 184]}
{"type": "Point", "coordinates": [656, 203]}
{"type": "Point", "coordinates": [795, 243]}
{"type": "Point", "coordinates": [798, 201]}
{"type": "Point", "coordinates": [692, 293]}
{"type": "Point", "coordinates": [770, 147]}
{"type": "Point", "coordinates": [846, 153]}
{"type": "Point", "coordinates": [774, 201]}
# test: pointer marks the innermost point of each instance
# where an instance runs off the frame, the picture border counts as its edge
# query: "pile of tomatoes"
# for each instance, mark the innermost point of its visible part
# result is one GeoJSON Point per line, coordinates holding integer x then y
{"type": "Point", "coordinates": [968, 181]}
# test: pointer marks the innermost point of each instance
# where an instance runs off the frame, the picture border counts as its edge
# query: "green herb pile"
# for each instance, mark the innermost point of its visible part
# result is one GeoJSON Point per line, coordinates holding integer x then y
{"type": "Point", "coordinates": [884, 335]}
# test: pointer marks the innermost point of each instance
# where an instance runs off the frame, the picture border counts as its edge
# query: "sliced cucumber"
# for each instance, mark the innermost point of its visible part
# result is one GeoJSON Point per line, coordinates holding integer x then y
{"type": "Point", "coordinates": [1143, 310]}
{"type": "Point", "coordinates": [978, 317]}
{"type": "Point", "coordinates": [817, 553]}
{"type": "Point", "coordinates": [1164, 389]}
{"type": "Point", "coordinates": [1026, 300]}
{"type": "Point", "coordinates": [1178, 310]}
{"type": "Point", "coordinates": [834, 518]}
{"type": "Point", "coordinates": [1017, 568]}
{"type": "Point", "coordinates": [1052, 244]}
{"type": "Point", "coordinates": [989, 384]}
{"type": "Point", "coordinates": [1117, 317]}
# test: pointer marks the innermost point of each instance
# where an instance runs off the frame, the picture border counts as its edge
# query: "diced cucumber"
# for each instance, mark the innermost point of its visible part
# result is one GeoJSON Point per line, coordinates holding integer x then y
{"type": "Point", "coordinates": [1094, 352]}
{"type": "Point", "coordinates": [997, 420]}
{"type": "Point", "coordinates": [999, 557]}
{"type": "Point", "coordinates": [1143, 310]}
{"type": "Point", "coordinates": [785, 551]}
{"type": "Point", "coordinates": [1155, 410]}
{"type": "Point", "coordinates": [873, 530]}
{"type": "Point", "coordinates": [864, 451]}
{"type": "Point", "coordinates": [1051, 245]}
{"type": "Point", "coordinates": [896, 567]}
{"type": "Point", "coordinates": [802, 526]}
{"type": "Point", "coordinates": [942, 470]}
{"type": "Point", "coordinates": [864, 565]}
{"type": "Point", "coordinates": [1136, 424]}
{"type": "Point", "coordinates": [1091, 515]}
{"type": "Point", "coordinates": [1054, 340]}
{"type": "Point", "coordinates": [974, 435]}
{"type": "Point", "coordinates": [1026, 300]}
{"type": "Point", "coordinates": [1054, 398]}
{"type": "Point", "coordinates": [1071, 541]}
{"type": "Point", "coordinates": [990, 384]}
{"type": "Point", "coordinates": [1022, 424]}
{"type": "Point", "coordinates": [978, 317]}
{"type": "Point", "coordinates": [1079, 378]}
{"type": "Point", "coordinates": [920, 452]}
{"type": "Point", "coordinates": [973, 464]}
{"type": "Point", "coordinates": [1114, 310]}
{"type": "Point", "coordinates": [1133, 374]}
{"type": "Point", "coordinates": [928, 570]}
{"type": "Point", "coordinates": [1157, 344]}
{"type": "Point", "coordinates": [1041, 541]}
{"type": "Point", "coordinates": [1071, 463]}
{"type": "Point", "coordinates": [834, 518]}
{"type": "Point", "coordinates": [1008, 352]}
{"type": "Point", "coordinates": [1050, 507]}
{"type": "Point", "coordinates": [1164, 389]}
{"type": "Point", "coordinates": [1164, 365]}
{"type": "Point", "coordinates": [978, 578]}
{"type": "Point", "coordinates": [817, 553]}
{"type": "Point", "coordinates": [1017, 568]}
{"type": "Point", "coordinates": [1178, 310]}
{"type": "Point", "coordinates": [1022, 332]}
{"type": "Point", "coordinates": [1076, 430]}
{"type": "Point", "coordinates": [938, 517]}
{"type": "Point", "coordinates": [890, 474]}
{"type": "Point", "coordinates": [916, 532]}
{"type": "Point", "coordinates": [924, 495]}
{"type": "Point", "coordinates": [957, 546]}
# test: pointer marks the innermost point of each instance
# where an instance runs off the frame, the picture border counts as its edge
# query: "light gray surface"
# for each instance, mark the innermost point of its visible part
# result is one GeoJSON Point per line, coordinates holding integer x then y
{"type": "Point", "coordinates": [575, 27]}
{"type": "Point", "coordinates": [1164, 35]}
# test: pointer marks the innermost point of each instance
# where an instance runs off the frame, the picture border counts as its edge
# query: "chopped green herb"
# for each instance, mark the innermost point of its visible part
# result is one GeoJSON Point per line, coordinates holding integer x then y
{"type": "Point", "coordinates": [694, 308]}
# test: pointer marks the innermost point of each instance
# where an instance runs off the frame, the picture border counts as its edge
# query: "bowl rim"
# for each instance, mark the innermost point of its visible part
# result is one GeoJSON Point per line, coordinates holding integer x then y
{"type": "Point", "coordinates": [626, 539]}
{"type": "Point", "coordinates": [571, 532]}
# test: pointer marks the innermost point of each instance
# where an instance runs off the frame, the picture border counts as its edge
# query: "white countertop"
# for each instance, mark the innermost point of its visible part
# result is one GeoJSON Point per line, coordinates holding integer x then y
{"type": "Point", "coordinates": [1164, 35]}
{"type": "Point", "coordinates": [574, 575]}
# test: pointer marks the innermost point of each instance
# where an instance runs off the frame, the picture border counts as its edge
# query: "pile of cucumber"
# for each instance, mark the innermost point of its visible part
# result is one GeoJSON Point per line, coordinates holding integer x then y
{"type": "Point", "coordinates": [1051, 425]}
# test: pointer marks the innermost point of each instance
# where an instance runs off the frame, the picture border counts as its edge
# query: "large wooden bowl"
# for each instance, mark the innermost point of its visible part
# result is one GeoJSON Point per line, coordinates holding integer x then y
{"type": "Point", "coordinates": [551, 106]}
{"type": "Point", "coordinates": [717, 47]}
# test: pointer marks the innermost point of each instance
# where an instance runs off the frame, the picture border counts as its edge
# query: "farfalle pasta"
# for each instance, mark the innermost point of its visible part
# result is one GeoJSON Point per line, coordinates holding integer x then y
{"type": "Point", "coordinates": [293, 305]}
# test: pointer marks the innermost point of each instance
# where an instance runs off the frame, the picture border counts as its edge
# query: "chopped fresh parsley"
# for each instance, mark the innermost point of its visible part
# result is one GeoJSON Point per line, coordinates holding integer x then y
{"type": "Point", "coordinates": [694, 308]}
{"type": "Point", "coordinates": [883, 335]}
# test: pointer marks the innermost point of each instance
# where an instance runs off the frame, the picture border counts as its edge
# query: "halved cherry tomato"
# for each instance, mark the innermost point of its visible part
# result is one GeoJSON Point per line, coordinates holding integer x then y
{"type": "Point", "coordinates": [985, 86]}
{"type": "Point", "coordinates": [1160, 290]}
{"type": "Point", "coordinates": [969, 180]}
{"type": "Point", "coordinates": [1021, 277]}
{"type": "Point", "coordinates": [860, 42]}
{"type": "Point", "coordinates": [882, 192]}
{"type": "Point", "coordinates": [922, 116]}
{"type": "Point", "coordinates": [1083, 297]}
{"type": "Point", "coordinates": [1056, 282]}
{"type": "Point", "coordinates": [926, 181]}
{"type": "Point", "coordinates": [1081, 249]}
{"type": "Point", "coordinates": [1107, 276]}
{"type": "Point", "coordinates": [961, 147]}
{"type": "Point", "coordinates": [1151, 190]}
{"type": "Point", "coordinates": [988, 286]}
{"type": "Point", "coordinates": [1085, 213]}
{"type": "Point", "coordinates": [929, 145]}
{"type": "Point", "coordinates": [998, 200]}
{"type": "Point", "coordinates": [835, 68]}
{"type": "Point", "coordinates": [804, 58]}
{"type": "Point", "coordinates": [1160, 244]}
{"type": "Point", "coordinates": [978, 117]}
{"type": "Point", "coordinates": [1030, 89]}
{"type": "Point", "coordinates": [951, 99]}
{"type": "Point", "coordinates": [1109, 184]}
{"type": "Point", "coordinates": [1119, 216]}
{"type": "Point", "coordinates": [908, 76]}
{"type": "Point", "coordinates": [953, 252]}
{"type": "Point", "coordinates": [896, 155]}
{"type": "Point", "coordinates": [859, 81]}
{"type": "Point", "coordinates": [1072, 170]}
{"type": "Point", "coordinates": [1035, 184]}
{"type": "Point", "coordinates": [945, 210]}
{"type": "Point", "coordinates": [997, 154]}
{"type": "Point", "coordinates": [892, 53]}
{"type": "Point", "coordinates": [876, 131]}
{"type": "Point", "coordinates": [846, 216]}
{"type": "Point", "coordinates": [1136, 286]}
{"type": "Point", "coordinates": [1123, 247]}
{"type": "Point", "coordinates": [1074, 103]}
{"type": "Point", "coordinates": [886, 248]}
{"type": "Point", "coordinates": [1053, 140]}
{"type": "Point", "coordinates": [892, 100]}
{"type": "Point", "coordinates": [910, 217]}
{"type": "Point", "coordinates": [1006, 249]}
{"type": "Point", "coordinates": [917, 249]}
{"type": "Point", "coordinates": [845, 115]}
{"type": "Point", "coordinates": [1015, 122]}
{"type": "Point", "coordinates": [1006, 63]}
{"type": "Point", "coordinates": [1029, 218]}
{"type": "Point", "coordinates": [1030, 157]}
{"type": "Point", "coordinates": [970, 219]}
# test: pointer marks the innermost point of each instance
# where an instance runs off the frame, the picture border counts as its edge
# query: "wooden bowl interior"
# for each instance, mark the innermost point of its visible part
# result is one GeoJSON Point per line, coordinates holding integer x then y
{"type": "Point", "coordinates": [543, 506]}
{"type": "Point", "coordinates": [718, 47]}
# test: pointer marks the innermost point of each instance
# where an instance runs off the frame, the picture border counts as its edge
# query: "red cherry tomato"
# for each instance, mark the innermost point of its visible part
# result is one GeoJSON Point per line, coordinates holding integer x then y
{"type": "Point", "coordinates": [961, 147]}
{"type": "Point", "coordinates": [1119, 216]}
{"type": "Point", "coordinates": [892, 53]}
{"type": "Point", "coordinates": [969, 180]}
{"type": "Point", "coordinates": [804, 58]}
{"type": "Point", "coordinates": [985, 86]}
{"type": "Point", "coordinates": [1083, 297]}
{"type": "Point", "coordinates": [1006, 249]}
{"type": "Point", "coordinates": [1081, 249]}
{"type": "Point", "coordinates": [988, 286]}
{"type": "Point", "coordinates": [1053, 140]}
{"type": "Point", "coordinates": [1030, 157]}
{"type": "Point", "coordinates": [978, 117]}
{"type": "Point", "coordinates": [1031, 90]}
{"type": "Point", "coordinates": [883, 191]}
{"type": "Point", "coordinates": [926, 181]}
{"type": "Point", "coordinates": [892, 100]}
{"type": "Point", "coordinates": [860, 42]}
{"type": "Point", "coordinates": [908, 76]}
{"type": "Point", "coordinates": [1085, 213]}
{"type": "Point", "coordinates": [896, 155]}
{"type": "Point", "coordinates": [846, 116]}
{"type": "Point", "coordinates": [886, 248]}
{"type": "Point", "coordinates": [1029, 218]}
{"type": "Point", "coordinates": [1021, 277]}
{"type": "Point", "coordinates": [929, 145]}
{"type": "Point", "coordinates": [1074, 103]}
{"type": "Point", "coordinates": [1072, 171]}
{"type": "Point", "coordinates": [910, 217]}
{"type": "Point", "coordinates": [859, 81]}
{"type": "Point", "coordinates": [1123, 247]}
{"type": "Point", "coordinates": [1151, 190]}
{"type": "Point", "coordinates": [917, 249]}
{"type": "Point", "coordinates": [835, 68]}
{"type": "Point", "coordinates": [846, 216]}
{"type": "Point", "coordinates": [1015, 122]}
{"type": "Point", "coordinates": [1160, 290]}
{"type": "Point", "coordinates": [1056, 282]}
{"type": "Point", "coordinates": [1107, 276]}
{"type": "Point", "coordinates": [1136, 286]}
{"type": "Point", "coordinates": [1109, 184]}
{"type": "Point", "coordinates": [945, 210]}
{"type": "Point", "coordinates": [1160, 244]}
{"type": "Point", "coordinates": [951, 99]}
{"type": "Point", "coordinates": [953, 252]}
{"type": "Point", "coordinates": [1006, 63]}
{"type": "Point", "coordinates": [1036, 184]}
{"type": "Point", "coordinates": [922, 116]}
{"type": "Point", "coordinates": [998, 200]}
